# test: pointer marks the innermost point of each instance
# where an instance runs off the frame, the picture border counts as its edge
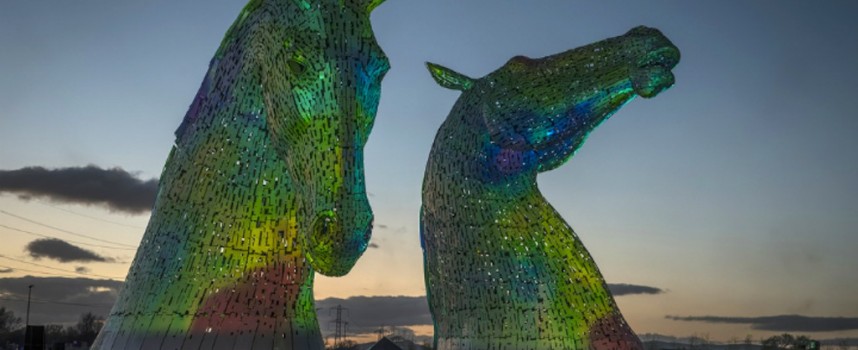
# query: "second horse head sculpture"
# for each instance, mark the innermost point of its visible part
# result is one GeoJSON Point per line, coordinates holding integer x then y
{"type": "Point", "coordinates": [503, 269]}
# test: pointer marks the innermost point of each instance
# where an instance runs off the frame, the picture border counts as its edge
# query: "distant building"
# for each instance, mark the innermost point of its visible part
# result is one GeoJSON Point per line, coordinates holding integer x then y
{"type": "Point", "coordinates": [385, 344]}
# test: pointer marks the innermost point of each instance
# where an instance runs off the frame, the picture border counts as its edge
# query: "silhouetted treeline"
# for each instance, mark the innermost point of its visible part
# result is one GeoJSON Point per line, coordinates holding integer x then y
{"type": "Point", "coordinates": [83, 332]}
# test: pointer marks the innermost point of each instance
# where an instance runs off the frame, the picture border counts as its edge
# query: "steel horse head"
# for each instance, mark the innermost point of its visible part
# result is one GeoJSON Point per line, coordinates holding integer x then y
{"type": "Point", "coordinates": [503, 270]}
{"type": "Point", "coordinates": [263, 187]}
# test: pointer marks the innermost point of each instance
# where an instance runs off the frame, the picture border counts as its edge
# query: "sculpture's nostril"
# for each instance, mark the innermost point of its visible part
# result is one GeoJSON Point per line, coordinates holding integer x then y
{"type": "Point", "coordinates": [367, 234]}
{"type": "Point", "coordinates": [330, 234]}
{"type": "Point", "coordinates": [668, 56]}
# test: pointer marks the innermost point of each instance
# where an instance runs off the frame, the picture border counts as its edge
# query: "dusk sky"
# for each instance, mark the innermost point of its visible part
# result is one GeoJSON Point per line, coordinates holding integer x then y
{"type": "Point", "coordinates": [732, 195]}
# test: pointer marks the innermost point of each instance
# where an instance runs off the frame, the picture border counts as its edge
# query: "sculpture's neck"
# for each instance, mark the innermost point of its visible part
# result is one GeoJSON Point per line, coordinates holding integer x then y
{"type": "Point", "coordinates": [474, 193]}
{"type": "Point", "coordinates": [465, 164]}
{"type": "Point", "coordinates": [229, 162]}
{"type": "Point", "coordinates": [224, 168]}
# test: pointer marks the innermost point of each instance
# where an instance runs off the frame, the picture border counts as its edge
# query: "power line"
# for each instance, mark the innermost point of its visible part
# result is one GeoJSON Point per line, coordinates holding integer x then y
{"type": "Point", "coordinates": [88, 216]}
{"type": "Point", "coordinates": [54, 268]}
{"type": "Point", "coordinates": [67, 240]}
{"type": "Point", "coordinates": [35, 271]}
{"type": "Point", "coordinates": [50, 274]}
{"type": "Point", "coordinates": [62, 230]}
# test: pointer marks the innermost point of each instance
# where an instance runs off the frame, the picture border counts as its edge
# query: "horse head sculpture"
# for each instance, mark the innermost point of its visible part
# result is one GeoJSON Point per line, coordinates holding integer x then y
{"type": "Point", "coordinates": [549, 105]}
{"type": "Point", "coordinates": [321, 88]}
{"type": "Point", "coordinates": [503, 270]}
{"type": "Point", "coordinates": [264, 186]}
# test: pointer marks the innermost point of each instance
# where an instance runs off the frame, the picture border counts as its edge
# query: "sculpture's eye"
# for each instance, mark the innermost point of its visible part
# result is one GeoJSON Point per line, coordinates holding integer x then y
{"type": "Point", "coordinates": [297, 64]}
{"type": "Point", "coordinates": [295, 51]}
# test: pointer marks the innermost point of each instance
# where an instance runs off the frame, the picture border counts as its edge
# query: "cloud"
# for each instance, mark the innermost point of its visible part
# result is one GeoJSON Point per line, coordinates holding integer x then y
{"type": "Point", "coordinates": [59, 300]}
{"type": "Point", "coordinates": [782, 323]}
{"type": "Point", "coordinates": [367, 314]}
{"type": "Point", "coordinates": [81, 269]}
{"type": "Point", "coordinates": [399, 230]}
{"type": "Point", "coordinates": [6, 270]}
{"type": "Point", "coordinates": [115, 189]}
{"type": "Point", "coordinates": [62, 251]}
{"type": "Point", "coordinates": [619, 289]}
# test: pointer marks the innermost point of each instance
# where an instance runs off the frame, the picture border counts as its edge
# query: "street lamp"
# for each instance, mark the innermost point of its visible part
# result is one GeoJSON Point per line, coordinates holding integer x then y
{"type": "Point", "coordinates": [29, 294]}
{"type": "Point", "coordinates": [27, 339]}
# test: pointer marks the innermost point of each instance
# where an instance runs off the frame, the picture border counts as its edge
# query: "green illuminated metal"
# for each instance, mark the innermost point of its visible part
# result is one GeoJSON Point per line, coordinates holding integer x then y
{"type": "Point", "coordinates": [263, 187]}
{"type": "Point", "coordinates": [502, 268]}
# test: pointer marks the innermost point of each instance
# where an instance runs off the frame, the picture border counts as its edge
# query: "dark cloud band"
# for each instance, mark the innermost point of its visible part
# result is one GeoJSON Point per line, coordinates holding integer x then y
{"type": "Point", "coordinates": [62, 251]}
{"type": "Point", "coordinates": [620, 289]}
{"type": "Point", "coordinates": [367, 314]}
{"type": "Point", "coordinates": [115, 188]}
{"type": "Point", "coordinates": [782, 323]}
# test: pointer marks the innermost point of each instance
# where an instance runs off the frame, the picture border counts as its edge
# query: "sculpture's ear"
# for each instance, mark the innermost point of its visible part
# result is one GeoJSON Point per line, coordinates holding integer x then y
{"type": "Point", "coordinates": [371, 4]}
{"type": "Point", "coordinates": [303, 4]}
{"type": "Point", "coordinates": [448, 78]}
